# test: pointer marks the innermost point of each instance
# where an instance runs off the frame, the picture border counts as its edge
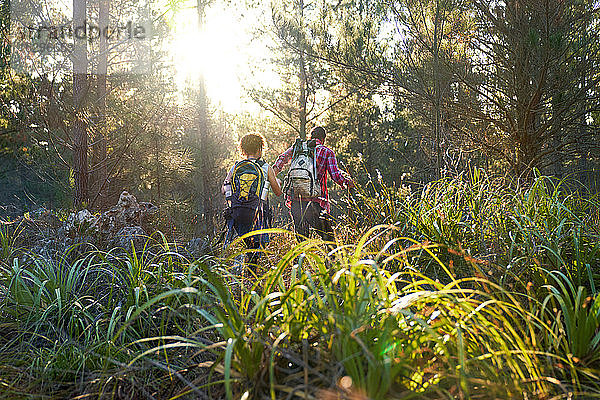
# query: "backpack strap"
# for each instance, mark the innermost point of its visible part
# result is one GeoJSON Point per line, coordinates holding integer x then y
{"type": "Point", "coordinates": [265, 170]}
{"type": "Point", "coordinates": [315, 162]}
{"type": "Point", "coordinates": [298, 144]}
{"type": "Point", "coordinates": [267, 185]}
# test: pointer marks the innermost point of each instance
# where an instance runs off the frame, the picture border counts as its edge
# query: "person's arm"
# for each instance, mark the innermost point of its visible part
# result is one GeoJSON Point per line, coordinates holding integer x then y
{"type": "Point", "coordinates": [337, 175]}
{"type": "Point", "coordinates": [275, 186]}
{"type": "Point", "coordinates": [282, 160]}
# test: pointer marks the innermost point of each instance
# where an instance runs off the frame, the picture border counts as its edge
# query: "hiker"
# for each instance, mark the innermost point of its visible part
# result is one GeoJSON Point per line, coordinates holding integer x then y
{"type": "Point", "coordinates": [311, 209]}
{"type": "Point", "coordinates": [246, 188]}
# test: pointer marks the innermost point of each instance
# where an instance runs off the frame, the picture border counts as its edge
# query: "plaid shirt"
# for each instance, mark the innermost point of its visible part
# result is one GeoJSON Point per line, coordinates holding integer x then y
{"type": "Point", "coordinates": [326, 161]}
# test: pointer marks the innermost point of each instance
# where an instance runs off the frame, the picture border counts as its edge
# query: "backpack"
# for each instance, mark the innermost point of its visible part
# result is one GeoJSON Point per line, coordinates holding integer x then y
{"type": "Point", "coordinates": [301, 180]}
{"type": "Point", "coordinates": [249, 185]}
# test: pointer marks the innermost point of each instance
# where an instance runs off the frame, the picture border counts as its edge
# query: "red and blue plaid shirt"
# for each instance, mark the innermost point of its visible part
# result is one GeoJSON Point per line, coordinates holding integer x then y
{"type": "Point", "coordinates": [326, 161]}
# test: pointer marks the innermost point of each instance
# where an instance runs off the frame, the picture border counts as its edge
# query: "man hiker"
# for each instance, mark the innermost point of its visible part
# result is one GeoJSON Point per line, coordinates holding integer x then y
{"type": "Point", "coordinates": [313, 212]}
{"type": "Point", "coordinates": [246, 189]}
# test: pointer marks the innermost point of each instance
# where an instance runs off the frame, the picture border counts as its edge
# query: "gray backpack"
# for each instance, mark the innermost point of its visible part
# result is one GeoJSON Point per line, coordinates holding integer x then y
{"type": "Point", "coordinates": [302, 180]}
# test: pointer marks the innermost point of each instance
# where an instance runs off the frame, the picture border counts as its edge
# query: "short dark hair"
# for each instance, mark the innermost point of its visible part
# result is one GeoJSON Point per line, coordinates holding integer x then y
{"type": "Point", "coordinates": [318, 132]}
{"type": "Point", "coordinates": [251, 143]}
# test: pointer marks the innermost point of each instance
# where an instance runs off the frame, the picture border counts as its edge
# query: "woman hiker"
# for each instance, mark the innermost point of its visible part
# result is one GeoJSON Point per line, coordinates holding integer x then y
{"type": "Point", "coordinates": [246, 191]}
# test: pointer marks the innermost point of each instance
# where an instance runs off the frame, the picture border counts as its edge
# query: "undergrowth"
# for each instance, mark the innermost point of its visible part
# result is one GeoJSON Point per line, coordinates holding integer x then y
{"type": "Point", "coordinates": [464, 289]}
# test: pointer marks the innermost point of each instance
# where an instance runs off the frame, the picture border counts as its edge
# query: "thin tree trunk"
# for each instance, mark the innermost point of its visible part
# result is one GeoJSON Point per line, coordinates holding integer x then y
{"type": "Point", "coordinates": [80, 89]}
{"type": "Point", "coordinates": [158, 169]}
{"type": "Point", "coordinates": [582, 162]}
{"type": "Point", "coordinates": [100, 154]}
{"type": "Point", "coordinates": [302, 75]}
{"type": "Point", "coordinates": [203, 131]}
{"type": "Point", "coordinates": [556, 141]}
{"type": "Point", "coordinates": [437, 91]}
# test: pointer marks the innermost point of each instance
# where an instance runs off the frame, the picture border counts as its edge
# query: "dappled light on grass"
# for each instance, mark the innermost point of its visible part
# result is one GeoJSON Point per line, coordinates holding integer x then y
{"type": "Point", "coordinates": [415, 307]}
{"type": "Point", "coordinates": [391, 333]}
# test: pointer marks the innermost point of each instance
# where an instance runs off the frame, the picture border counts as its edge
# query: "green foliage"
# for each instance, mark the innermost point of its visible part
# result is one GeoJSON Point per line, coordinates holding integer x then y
{"type": "Point", "coordinates": [545, 225]}
{"type": "Point", "coordinates": [9, 241]}
{"type": "Point", "coordinates": [578, 322]}
{"type": "Point", "coordinates": [4, 30]}
{"type": "Point", "coordinates": [422, 306]}
{"type": "Point", "coordinates": [390, 333]}
{"type": "Point", "coordinates": [372, 139]}
{"type": "Point", "coordinates": [64, 319]}
{"type": "Point", "coordinates": [47, 294]}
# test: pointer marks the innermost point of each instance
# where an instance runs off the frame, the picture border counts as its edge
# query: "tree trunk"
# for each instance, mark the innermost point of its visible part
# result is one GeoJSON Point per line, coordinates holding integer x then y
{"type": "Point", "coordinates": [582, 161]}
{"type": "Point", "coordinates": [437, 127]}
{"type": "Point", "coordinates": [100, 150]}
{"type": "Point", "coordinates": [80, 89]}
{"type": "Point", "coordinates": [302, 75]}
{"type": "Point", "coordinates": [557, 139]}
{"type": "Point", "coordinates": [203, 132]}
{"type": "Point", "coordinates": [158, 169]}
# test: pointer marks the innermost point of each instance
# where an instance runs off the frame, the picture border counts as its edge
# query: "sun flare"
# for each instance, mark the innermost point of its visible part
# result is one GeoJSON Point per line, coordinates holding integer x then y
{"type": "Point", "coordinates": [213, 52]}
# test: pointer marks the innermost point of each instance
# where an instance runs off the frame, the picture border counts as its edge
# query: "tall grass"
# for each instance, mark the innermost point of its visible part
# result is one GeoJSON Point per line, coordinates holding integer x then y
{"type": "Point", "coordinates": [465, 289]}
{"type": "Point", "coordinates": [67, 323]}
{"type": "Point", "coordinates": [545, 225]}
{"type": "Point", "coordinates": [393, 334]}
{"type": "Point", "coordinates": [9, 241]}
